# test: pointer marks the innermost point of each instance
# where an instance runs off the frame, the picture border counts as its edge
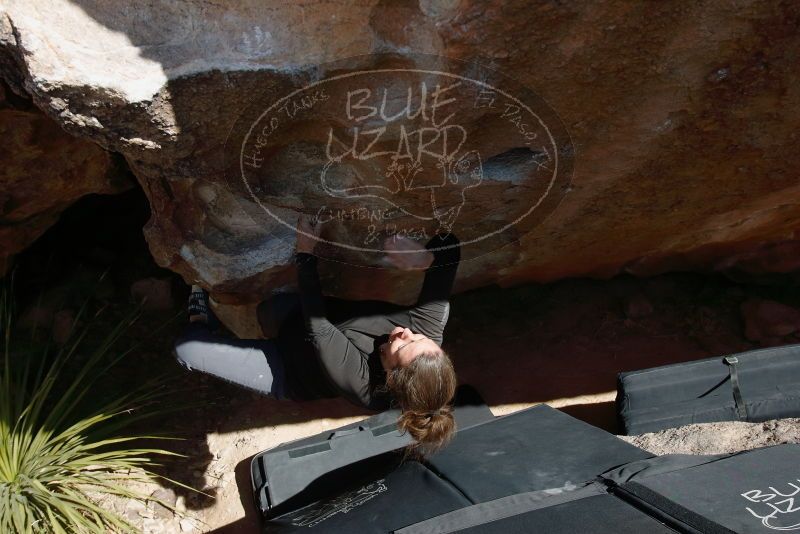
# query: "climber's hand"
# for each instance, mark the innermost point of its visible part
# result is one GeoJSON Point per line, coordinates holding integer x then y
{"type": "Point", "coordinates": [307, 234]}
{"type": "Point", "coordinates": [406, 254]}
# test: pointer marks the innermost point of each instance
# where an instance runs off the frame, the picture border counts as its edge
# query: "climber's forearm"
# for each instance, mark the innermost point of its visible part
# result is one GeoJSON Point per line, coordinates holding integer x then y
{"type": "Point", "coordinates": [441, 275]}
{"type": "Point", "coordinates": [311, 298]}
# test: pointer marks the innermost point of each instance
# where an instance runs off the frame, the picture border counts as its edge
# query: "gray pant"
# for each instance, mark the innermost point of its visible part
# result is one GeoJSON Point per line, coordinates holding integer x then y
{"type": "Point", "coordinates": [254, 364]}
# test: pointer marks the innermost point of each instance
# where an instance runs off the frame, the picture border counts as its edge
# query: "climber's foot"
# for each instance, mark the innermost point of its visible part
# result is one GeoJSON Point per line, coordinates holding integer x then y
{"type": "Point", "coordinates": [199, 308]}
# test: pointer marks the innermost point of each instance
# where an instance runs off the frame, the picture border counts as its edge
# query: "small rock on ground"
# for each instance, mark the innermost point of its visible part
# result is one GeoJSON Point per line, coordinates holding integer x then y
{"type": "Point", "coordinates": [768, 322]}
{"type": "Point", "coordinates": [63, 323]}
{"type": "Point", "coordinates": [166, 496]}
{"type": "Point", "coordinates": [637, 306]}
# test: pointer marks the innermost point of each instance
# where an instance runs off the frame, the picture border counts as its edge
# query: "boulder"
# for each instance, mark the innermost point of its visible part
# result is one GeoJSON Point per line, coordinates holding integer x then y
{"type": "Point", "coordinates": [768, 321]}
{"type": "Point", "coordinates": [44, 170]}
{"type": "Point", "coordinates": [655, 137]}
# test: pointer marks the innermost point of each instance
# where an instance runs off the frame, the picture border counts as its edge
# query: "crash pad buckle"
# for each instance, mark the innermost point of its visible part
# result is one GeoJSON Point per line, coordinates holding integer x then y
{"type": "Point", "coordinates": [741, 409]}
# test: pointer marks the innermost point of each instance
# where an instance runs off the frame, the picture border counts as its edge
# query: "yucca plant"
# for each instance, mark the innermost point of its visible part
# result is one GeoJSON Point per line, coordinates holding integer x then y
{"type": "Point", "coordinates": [56, 447]}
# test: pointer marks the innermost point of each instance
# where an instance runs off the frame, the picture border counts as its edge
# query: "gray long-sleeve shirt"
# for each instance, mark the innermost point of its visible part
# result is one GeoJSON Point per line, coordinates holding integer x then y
{"type": "Point", "coordinates": [332, 348]}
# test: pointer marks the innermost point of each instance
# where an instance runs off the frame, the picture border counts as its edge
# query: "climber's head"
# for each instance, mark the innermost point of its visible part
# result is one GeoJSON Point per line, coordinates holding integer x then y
{"type": "Point", "coordinates": [403, 347]}
{"type": "Point", "coordinates": [420, 376]}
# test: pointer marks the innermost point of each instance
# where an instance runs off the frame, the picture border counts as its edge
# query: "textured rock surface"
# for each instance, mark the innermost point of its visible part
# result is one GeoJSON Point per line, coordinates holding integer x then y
{"type": "Point", "coordinates": [43, 171]}
{"type": "Point", "coordinates": [682, 117]}
{"type": "Point", "coordinates": [769, 322]}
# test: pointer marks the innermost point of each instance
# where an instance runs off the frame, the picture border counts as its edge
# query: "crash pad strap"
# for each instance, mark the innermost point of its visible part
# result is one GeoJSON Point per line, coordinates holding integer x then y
{"type": "Point", "coordinates": [487, 512]}
{"type": "Point", "coordinates": [741, 409]}
{"type": "Point", "coordinates": [667, 511]}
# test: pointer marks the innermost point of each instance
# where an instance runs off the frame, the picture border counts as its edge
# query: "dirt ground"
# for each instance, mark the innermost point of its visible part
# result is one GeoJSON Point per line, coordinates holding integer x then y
{"type": "Point", "coordinates": [718, 438]}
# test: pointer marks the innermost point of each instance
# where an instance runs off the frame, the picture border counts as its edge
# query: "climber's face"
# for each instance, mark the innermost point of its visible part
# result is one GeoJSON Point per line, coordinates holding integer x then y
{"type": "Point", "coordinates": [403, 348]}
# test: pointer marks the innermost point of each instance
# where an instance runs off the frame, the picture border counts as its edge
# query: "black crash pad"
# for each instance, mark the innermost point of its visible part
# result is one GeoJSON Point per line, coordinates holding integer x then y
{"type": "Point", "coordinates": [403, 496]}
{"type": "Point", "coordinates": [587, 510]}
{"type": "Point", "coordinates": [281, 476]}
{"type": "Point", "coordinates": [702, 391]}
{"type": "Point", "coordinates": [753, 492]}
{"type": "Point", "coordinates": [535, 449]}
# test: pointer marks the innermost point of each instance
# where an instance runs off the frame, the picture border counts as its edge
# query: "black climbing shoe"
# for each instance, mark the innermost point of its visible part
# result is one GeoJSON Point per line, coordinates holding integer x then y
{"type": "Point", "coordinates": [200, 308]}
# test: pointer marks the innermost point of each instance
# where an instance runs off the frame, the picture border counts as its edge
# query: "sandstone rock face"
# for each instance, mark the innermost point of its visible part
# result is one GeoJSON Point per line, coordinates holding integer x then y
{"type": "Point", "coordinates": [769, 322]}
{"type": "Point", "coordinates": [43, 171]}
{"type": "Point", "coordinates": [674, 129]}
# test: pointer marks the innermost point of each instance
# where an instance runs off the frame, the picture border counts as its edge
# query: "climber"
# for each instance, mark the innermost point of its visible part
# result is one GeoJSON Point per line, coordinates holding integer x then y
{"type": "Point", "coordinates": [375, 354]}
